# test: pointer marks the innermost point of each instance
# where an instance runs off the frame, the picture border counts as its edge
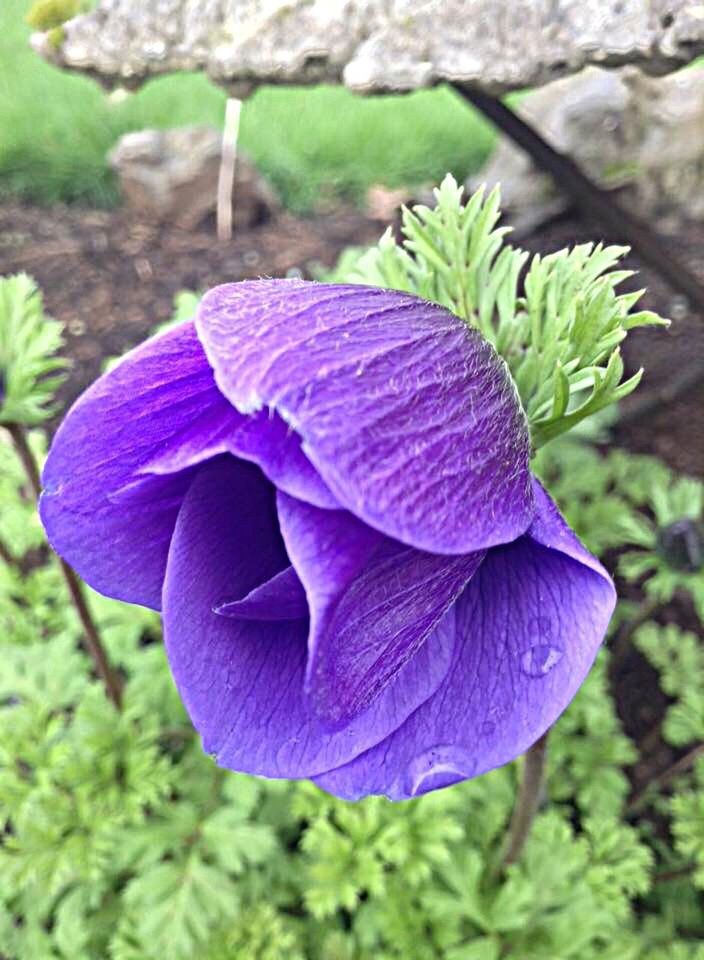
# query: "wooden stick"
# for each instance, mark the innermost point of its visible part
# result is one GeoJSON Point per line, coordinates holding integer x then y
{"type": "Point", "coordinates": [226, 176]}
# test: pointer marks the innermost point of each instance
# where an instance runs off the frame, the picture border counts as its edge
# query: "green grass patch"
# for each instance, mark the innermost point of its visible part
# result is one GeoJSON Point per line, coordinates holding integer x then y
{"type": "Point", "coordinates": [55, 130]}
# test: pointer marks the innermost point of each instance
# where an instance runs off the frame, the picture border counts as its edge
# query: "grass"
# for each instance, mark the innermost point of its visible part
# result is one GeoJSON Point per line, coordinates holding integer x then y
{"type": "Point", "coordinates": [56, 128]}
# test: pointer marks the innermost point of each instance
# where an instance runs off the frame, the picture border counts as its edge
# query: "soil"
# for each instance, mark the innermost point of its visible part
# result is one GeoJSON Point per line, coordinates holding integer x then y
{"type": "Point", "coordinates": [112, 279]}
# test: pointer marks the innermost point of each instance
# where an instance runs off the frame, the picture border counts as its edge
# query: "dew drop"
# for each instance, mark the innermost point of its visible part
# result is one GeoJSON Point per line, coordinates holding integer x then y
{"type": "Point", "coordinates": [538, 660]}
{"type": "Point", "coordinates": [438, 767]}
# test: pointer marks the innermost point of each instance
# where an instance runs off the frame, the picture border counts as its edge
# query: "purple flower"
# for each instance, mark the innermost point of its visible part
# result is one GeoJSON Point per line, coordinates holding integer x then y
{"type": "Point", "coordinates": [326, 489]}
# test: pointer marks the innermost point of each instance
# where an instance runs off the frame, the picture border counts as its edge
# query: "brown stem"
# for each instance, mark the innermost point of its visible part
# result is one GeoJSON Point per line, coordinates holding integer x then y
{"type": "Point", "coordinates": [678, 873]}
{"type": "Point", "coordinates": [19, 438]}
{"type": "Point", "coordinates": [667, 775]}
{"type": "Point", "coordinates": [92, 642]}
{"type": "Point", "coordinates": [528, 800]}
{"type": "Point", "coordinates": [91, 637]}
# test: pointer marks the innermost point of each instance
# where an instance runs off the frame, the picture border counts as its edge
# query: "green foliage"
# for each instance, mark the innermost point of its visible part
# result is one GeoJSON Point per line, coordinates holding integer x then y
{"type": "Point", "coordinates": [122, 840]}
{"type": "Point", "coordinates": [588, 751]}
{"type": "Point", "coordinates": [560, 336]}
{"type": "Point", "coordinates": [592, 498]}
{"type": "Point", "coordinates": [21, 530]}
{"type": "Point", "coordinates": [678, 656]}
{"type": "Point", "coordinates": [665, 500]}
{"type": "Point", "coordinates": [628, 501]}
{"type": "Point", "coordinates": [30, 371]}
{"type": "Point", "coordinates": [688, 823]}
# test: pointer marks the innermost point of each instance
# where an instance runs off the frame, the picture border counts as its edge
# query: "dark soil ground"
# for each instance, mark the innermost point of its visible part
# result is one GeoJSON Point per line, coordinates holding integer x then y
{"type": "Point", "coordinates": [111, 279]}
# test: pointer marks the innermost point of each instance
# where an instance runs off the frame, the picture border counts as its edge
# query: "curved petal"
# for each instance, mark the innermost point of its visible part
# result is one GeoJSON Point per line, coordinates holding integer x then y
{"type": "Point", "coordinates": [262, 438]}
{"type": "Point", "coordinates": [280, 598]}
{"type": "Point", "coordinates": [407, 413]}
{"type": "Point", "coordinates": [113, 528]}
{"type": "Point", "coordinates": [529, 625]}
{"type": "Point", "coordinates": [242, 681]}
{"type": "Point", "coordinates": [373, 603]}
{"type": "Point", "coordinates": [122, 461]}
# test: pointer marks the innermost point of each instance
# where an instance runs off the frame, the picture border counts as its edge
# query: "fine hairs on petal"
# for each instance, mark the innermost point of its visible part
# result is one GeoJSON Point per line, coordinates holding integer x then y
{"type": "Point", "coordinates": [408, 415]}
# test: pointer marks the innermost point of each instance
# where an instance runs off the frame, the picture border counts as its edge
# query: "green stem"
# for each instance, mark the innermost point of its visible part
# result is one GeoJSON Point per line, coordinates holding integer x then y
{"type": "Point", "coordinates": [528, 800]}
{"type": "Point", "coordinates": [91, 637]}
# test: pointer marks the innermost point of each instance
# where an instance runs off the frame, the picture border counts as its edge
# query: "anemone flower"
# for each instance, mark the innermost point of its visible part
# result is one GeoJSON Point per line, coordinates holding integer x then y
{"type": "Point", "coordinates": [326, 490]}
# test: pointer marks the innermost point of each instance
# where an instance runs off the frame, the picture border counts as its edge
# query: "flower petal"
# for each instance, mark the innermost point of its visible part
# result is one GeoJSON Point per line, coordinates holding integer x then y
{"type": "Point", "coordinates": [122, 461]}
{"type": "Point", "coordinates": [529, 625]}
{"type": "Point", "coordinates": [113, 528]}
{"type": "Point", "coordinates": [408, 414]}
{"type": "Point", "coordinates": [373, 603]}
{"type": "Point", "coordinates": [280, 598]}
{"type": "Point", "coordinates": [242, 681]}
{"type": "Point", "coordinates": [262, 438]}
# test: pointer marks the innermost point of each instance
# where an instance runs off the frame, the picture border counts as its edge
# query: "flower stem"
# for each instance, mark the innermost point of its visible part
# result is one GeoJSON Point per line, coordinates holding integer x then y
{"type": "Point", "coordinates": [91, 637]}
{"type": "Point", "coordinates": [19, 438]}
{"type": "Point", "coordinates": [92, 642]}
{"type": "Point", "coordinates": [528, 800]}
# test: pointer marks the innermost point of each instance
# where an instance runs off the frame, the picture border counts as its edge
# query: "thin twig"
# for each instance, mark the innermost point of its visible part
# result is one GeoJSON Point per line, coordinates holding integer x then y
{"type": "Point", "coordinates": [528, 800]}
{"type": "Point", "coordinates": [677, 873]}
{"type": "Point", "coordinates": [667, 775]}
{"type": "Point", "coordinates": [92, 641]}
{"type": "Point", "coordinates": [43, 252]}
{"type": "Point", "coordinates": [96, 650]}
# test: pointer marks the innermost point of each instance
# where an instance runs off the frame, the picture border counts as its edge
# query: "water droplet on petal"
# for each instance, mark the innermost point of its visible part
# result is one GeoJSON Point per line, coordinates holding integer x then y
{"type": "Point", "coordinates": [439, 767]}
{"type": "Point", "coordinates": [487, 728]}
{"type": "Point", "coordinates": [539, 660]}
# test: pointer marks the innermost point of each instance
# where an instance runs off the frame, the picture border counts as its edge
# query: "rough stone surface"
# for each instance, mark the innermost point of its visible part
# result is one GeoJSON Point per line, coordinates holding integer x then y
{"type": "Point", "coordinates": [377, 45]}
{"type": "Point", "coordinates": [172, 175]}
{"type": "Point", "coordinates": [625, 130]}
